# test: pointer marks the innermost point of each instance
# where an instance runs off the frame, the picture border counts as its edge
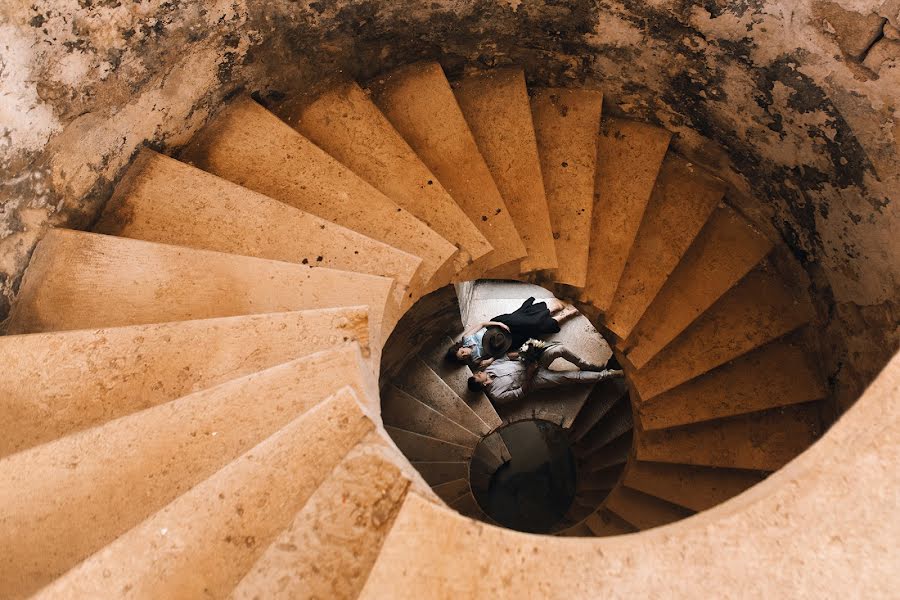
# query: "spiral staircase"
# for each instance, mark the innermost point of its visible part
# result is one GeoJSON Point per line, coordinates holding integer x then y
{"type": "Point", "coordinates": [194, 403]}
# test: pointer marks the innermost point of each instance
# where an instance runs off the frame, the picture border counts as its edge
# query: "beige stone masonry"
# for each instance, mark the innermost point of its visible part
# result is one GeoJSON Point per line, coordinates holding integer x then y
{"type": "Point", "coordinates": [566, 123]}
{"type": "Point", "coordinates": [420, 104]}
{"type": "Point", "coordinates": [83, 280]}
{"type": "Point", "coordinates": [252, 147]}
{"type": "Point", "coordinates": [400, 410]}
{"type": "Point", "coordinates": [327, 550]}
{"type": "Point", "coordinates": [204, 542]}
{"type": "Point", "coordinates": [724, 251]}
{"type": "Point", "coordinates": [346, 123]}
{"type": "Point", "coordinates": [436, 473]}
{"type": "Point", "coordinates": [468, 506]}
{"type": "Point", "coordinates": [67, 499]}
{"type": "Point", "coordinates": [452, 491]}
{"type": "Point", "coordinates": [696, 488]}
{"type": "Point", "coordinates": [642, 510]}
{"type": "Point", "coordinates": [59, 383]}
{"type": "Point", "coordinates": [629, 156]}
{"type": "Point", "coordinates": [167, 201]}
{"type": "Point", "coordinates": [422, 448]}
{"type": "Point", "coordinates": [495, 105]}
{"type": "Point", "coordinates": [682, 200]}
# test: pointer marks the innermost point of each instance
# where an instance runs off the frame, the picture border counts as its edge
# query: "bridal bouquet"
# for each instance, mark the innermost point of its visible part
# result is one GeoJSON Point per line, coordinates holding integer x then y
{"type": "Point", "coordinates": [531, 351]}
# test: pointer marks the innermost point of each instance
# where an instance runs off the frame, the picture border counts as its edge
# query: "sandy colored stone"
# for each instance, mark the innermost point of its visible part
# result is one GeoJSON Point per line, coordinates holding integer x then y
{"type": "Point", "coordinates": [566, 124]}
{"type": "Point", "coordinates": [419, 103]}
{"type": "Point", "coordinates": [436, 473]}
{"type": "Point", "coordinates": [345, 122]}
{"type": "Point", "coordinates": [642, 510]}
{"type": "Point", "coordinates": [724, 251]}
{"type": "Point", "coordinates": [250, 146]}
{"type": "Point", "coordinates": [884, 54]}
{"type": "Point", "coordinates": [59, 383]}
{"type": "Point", "coordinates": [69, 498]}
{"type": "Point", "coordinates": [400, 410]}
{"type": "Point", "coordinates": [495, 104]}
{"type": "Point", "coordinates": [695, 488]}
{"type": "Point", "coordinates": [629, 156]}
{"type": "Point", "coordinates": [166, 201]}
{"type": "Point", "coordinates": [83, 280]}
{"type": "Point", "coordinates": [854, 32]}
{"type": "Point", "coordinates": [422, 448]}
{"type": "Point", "coordinates": [682, 200]}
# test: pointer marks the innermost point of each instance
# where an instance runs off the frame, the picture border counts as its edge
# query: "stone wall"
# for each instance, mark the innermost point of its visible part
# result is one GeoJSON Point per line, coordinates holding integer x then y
{"type": "Point", "coordinates": [795, 103]}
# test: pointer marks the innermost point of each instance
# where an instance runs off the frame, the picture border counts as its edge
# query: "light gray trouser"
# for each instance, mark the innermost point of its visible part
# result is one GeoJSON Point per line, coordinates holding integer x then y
{"type": "Point", "coordinates": [559, 351]}
{"type": "Point", "coordinates": [545, 378]}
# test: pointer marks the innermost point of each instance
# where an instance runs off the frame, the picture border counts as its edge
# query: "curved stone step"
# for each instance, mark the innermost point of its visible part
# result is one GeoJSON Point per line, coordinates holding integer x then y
{"type": "Point", "coordinates": [436, 473]}
{"type": "Point", "coordinates": [346, 123]}
{"type": "Point", "coordinates": [252, 147]}
{"type": "Point", "coordinates": [614, 424]}
{"type": "Point", "coordinates": [452, 491]}
{"type": "Point", "coordinates": [696, 488]}
{"type": "Point", "coordinates": [603, 397]}
{"type": "Point", "coordinates": [682, 201]}
{"type": "Point", "coordinates": [495, 104]}
{"type": "Point", "coordinates": [603, 479]}
{"type": "Point", "coordinates": [577, 530]}
{"type": "Point", "coordinates": [419, 103]}
{"type": "Point", "coordinates": [605, 523]}
{"type": "Point", "coordinates": [468, 506]}
{"type": "Point", "coordinates": [80, 280]}
{"type": "Point", "coordinates": [328, 549]}
{"type": "Point", "coordinates": [724, 252]}
{"type": "Point", "coordinates": [614, 453]}
{"type": "Point", "coordinates": [776, 374]}
{"type": "Point", "coordinates": [760, 308]}
{"type": "Point", "coordinates": [59, 383]}
{"type": "Point", "coordinates": [566, 124]}
{"type": "Point", "coordinates": [629, 156]}
{"type": "Point", "coordinates": [206, 540]}
{"type": "Point", "coordinates": [759, 441]}
{"type": "Point", "coordinates": [422, 448]}
{"type": "Point", "coordinates": [642, 510]}
{"type": "Point", "coordinates": [166, 201]}
{"type": "Point", "coordinates": [67, 499]}
{"type": "Point", "coordinates": [400, 410]}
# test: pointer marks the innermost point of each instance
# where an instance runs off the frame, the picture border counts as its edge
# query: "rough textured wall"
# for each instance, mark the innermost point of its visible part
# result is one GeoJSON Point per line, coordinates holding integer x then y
{"type": "Point", "coordinates": [793, 102]}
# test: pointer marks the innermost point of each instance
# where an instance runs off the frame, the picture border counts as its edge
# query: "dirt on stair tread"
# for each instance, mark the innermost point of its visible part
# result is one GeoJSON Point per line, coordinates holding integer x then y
{"type": "Point", "coordinates": [629, 156]}
{"type": "Point", "coordinates": [693, 487]}
{"type": "Point", "coordinates": [419, 103]}
{"type": "Point", "coordinates": [682, 201]}
{"type": "Point", "coordinates": [422, 448]}
{"type": "Point", "coordinates": [724, 252]}
{"type": "Point", "coordinates": [345, 122]}
{"type": "Point", "coordinates": [400, 410]}
{"type": "Point", "coordinates": [567, 123]}
{"type": "Point", "coordinates": [641, 510]}
{"type": "Point", "coordinates": [495, 105]}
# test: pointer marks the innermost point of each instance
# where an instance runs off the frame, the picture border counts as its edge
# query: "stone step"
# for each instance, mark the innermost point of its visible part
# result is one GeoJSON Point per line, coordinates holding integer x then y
{"type": "Point", "coordinates": [436, 473]}
{"type": "Point", "coordinates": [488, 456]}
{"type": "Point", "coordinates": [760, 308]}
{"type": "Point", "coordinates": [80, 280]}
{"type": "Point", "coordinates": [629, 156]}
{"type": "Point", "coordinates": [681, 203]}
{"type": "Point", "coordinates": [605, 523]}
{"type": "Point", "coordinates": [642, 510]}
{"type": "Point", "coordinates": [566, 124]}
{"type": "Point", "coordinates": [614, 453]}
{"type": "Point", "coordinates": [346, 123]}
{"type": "Point", "coordinates": [696, 488]}
{"type": "Point", "coordinates": [604, 396]}
{"type": "Point", "coordinates": [329, 547]}
{"type": "Point", "coordinates": [761, 441]}
{"type": "Point", "coordinates": [604, 479]}
{"type": "Point", "coordinates": [421, 448]}
{"type": "Point", "coordinates": [724, 252]}
{"type": "Point", "coordinates": [67, 499]}
{"type": "Point", "coordinates": [495, 104]}
{"type": "Point", "coordinates": [400, 410]}
{"type": "Point", "coordinates": [468, 506]}
{"type": "Point", "coordinates": [166, 201]}
{"type": "Point", "coordinates": [60, 383]}
{"type": "Point", "coordinates": [776, 374]}
{"type": "Point", "coordinates": [614, 424]}
{"type": "Point", "coordinates": [589, 500]}
{"type": "Point", "coordinates": [577, 530]}
{"type": "Point", "coordinates": [206, 540]}
{"type": "Point", "coordinates": [419, 103]}
{"type": "Point", "coordinates": [252, 147]}
{"type": "Point", "coordinates": [452, 491]}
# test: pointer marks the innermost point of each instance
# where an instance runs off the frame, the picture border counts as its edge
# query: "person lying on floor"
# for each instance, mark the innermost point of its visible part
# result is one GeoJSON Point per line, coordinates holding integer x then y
{"type": "Point", "coordinates": [509, 379]}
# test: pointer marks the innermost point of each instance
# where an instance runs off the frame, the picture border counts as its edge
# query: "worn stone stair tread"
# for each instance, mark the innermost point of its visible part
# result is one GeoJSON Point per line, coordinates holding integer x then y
{"type": "Point", "coordinates": [614, 453]}
{"type": "Point", "coordinates": [603, 479]}
{"type": "Point", "coordinates": [761, 441]}
{"type": "Point", "coordinates": [682, 201]}
{"type": "Point", "coordinates": [488, 456]}
{"type": "Point", "coordinates": [629, 156]}
{"type": "Point", "coordinates": [603, 397]}
{"type": "Point", "coordinates": [206, 540]}
{"type": "Point", "coordinates": [776, 374]}
{"type": "Point", "coordinates": [566, 124]}
{"type": "Point", "coordinates": [252, 147]}
{"type": "Point", "coordinates": [452, 491]}
{"type": "Point", "coordinates": [345, 122]}
{"type": "Point", "coordinates": [419, 103]}
{"type": "Point", "coordinates": [80, 280]}
{"type": "Point", "coordinates": [436, 473]}
{"type": "Point", "coordinates": [400, 410]}
{"type": "Point", "coordinates": [468, 506]}
{"type": "Point", "coordinates": [333, 541]}
{"type": "Point", "coordinates": [605, 523]}
{"type": "Point", "coordinates": [696, 488]}
{"type": "Point", "coordinates": [641, 510]}
{"type": "Point", "coordinates": [59, 383]}
{"type": "Point", "coordinates": [495, 104]}
{"type": "Point", "coordinates": [422, 448]}
{"type": "Point", "coordinates": [577, 530]}
{"type": "Point", "coordinates": [166, 201]}
{"type": "Point", "coordinates": [760, 308]}
{"type": "Point", "coordinates": [616, 422]}
{"type": "Point", "coordinates": [724, 252]}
